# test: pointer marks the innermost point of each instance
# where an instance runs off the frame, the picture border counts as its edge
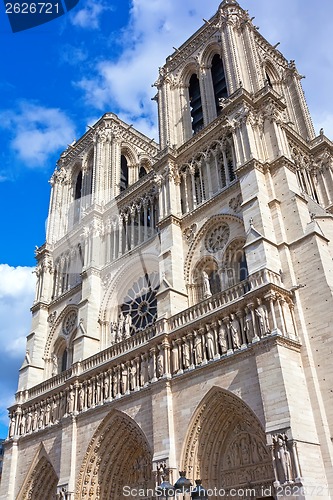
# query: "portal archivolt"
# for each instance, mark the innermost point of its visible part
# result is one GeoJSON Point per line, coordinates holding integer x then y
{"type": "Point", "coordinates": [118, 456]}
{"type": "Point", "coordinates": [225, 445]}
{"type": "Point", "coordinates": [42, 482]}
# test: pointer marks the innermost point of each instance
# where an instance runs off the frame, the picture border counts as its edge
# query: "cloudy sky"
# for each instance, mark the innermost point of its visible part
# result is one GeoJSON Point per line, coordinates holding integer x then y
{"type": "Point", "coordinates": [103, 56]}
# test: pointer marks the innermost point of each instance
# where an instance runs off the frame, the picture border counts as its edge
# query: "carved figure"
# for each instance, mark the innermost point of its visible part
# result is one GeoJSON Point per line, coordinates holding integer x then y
{"type": "Point", "coordinates": [23, 424]}
{"type": "Point", "coordinates": [222, 337]}
{"type": "Point", "coordinates": [124, 379]}
{"type": "Point", "coordinates": [186, 355]}
{"type": "Point", "coordinates": [210, 342]}
{"type": "Point", "coordinates": [248, 326]}
{"type": "Point", "coordinates": [113, 332]}
{"type": "Point", "coordinates": [283, 459]}
{"type": "Point", "coordinates": [12, 427]}
{"type": "Point", "coordinates": [47, 413]}
{"type": "Point", "coordinates": [81, 397]}
{"type": "Point", "coordinates": [235, 331]}
{"type": "Point", "coordinates": [262, 315]}
{"type": "Point", "coordinates": [132, 378]}
{"type": "Point", "coordinates": [70, 400]}
{"type": "Point", "coordinates": [120, 329]}
{"type": "Point", "coordinates": [54, 365]}
{"type": "Point", "coordinates": [197, 348]}
{"type": "Point", "coordinates": [174, 357]}
{"type": "Point", "coordinates": [160, 364]}
{"type": "Point", "coordinates": [106, 386]}
{"type": "Point", "coordinates": [29, 421]}
{"type": "Point", "coordinates": [206, 285]}
{"type": "Point", "coordinates": [127, 326]}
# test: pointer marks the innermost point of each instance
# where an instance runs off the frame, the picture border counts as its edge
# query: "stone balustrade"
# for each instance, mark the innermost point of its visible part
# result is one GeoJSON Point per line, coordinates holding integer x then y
{"type": "Point", "coordinates": [170, 348]}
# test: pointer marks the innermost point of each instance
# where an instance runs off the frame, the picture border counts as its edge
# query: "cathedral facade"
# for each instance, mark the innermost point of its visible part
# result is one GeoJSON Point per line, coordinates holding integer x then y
{"type": "Point", "coordinates": [183, 312]}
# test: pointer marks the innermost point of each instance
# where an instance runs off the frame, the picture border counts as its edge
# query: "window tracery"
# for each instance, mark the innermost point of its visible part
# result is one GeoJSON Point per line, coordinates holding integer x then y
{"type": "Point", "coordinates": [207, 174]}
{"type": "Point", "coordinates": [140, 303]}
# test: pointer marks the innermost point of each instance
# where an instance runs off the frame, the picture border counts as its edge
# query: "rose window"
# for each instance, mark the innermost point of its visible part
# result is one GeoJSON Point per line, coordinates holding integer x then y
{"type": "Point", "coordinates": [69, 322]}
{"type": "Point", "coordinates": [217, 238]}
{"type": "Point", "coordinates": [140, 301]}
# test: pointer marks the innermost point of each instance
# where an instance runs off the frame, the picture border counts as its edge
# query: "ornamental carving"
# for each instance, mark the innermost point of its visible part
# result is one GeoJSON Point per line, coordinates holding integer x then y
{"type": "Point", "coordinates": [217, 238]}
{"type": "Point", "coordinates": [140, 304]}
{"type": "Point", "coordinates": [69, 323]}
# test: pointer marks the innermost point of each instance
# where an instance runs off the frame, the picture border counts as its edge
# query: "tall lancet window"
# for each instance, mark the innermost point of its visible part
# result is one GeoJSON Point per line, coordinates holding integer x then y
{"type": "Point", "coordinates": [77, 197]}
{"type": "Point", "coordinates": [195, 104]}
{"type": "Point", "coordinates": [219, 81]}
{"type": "Point", "coordinates": [123, 173]}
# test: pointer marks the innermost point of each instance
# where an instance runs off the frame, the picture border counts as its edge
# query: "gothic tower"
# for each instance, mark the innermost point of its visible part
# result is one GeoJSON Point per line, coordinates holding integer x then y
{"type": "Point", "coordinates": [183, 311]}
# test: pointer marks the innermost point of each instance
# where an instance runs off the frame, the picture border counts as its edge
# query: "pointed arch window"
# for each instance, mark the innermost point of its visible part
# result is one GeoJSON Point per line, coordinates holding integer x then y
{"type": "Point", "coordinates": [77, 197]}
{"type": "Point", "coordinates": [123, 173]}
{"type": "Point", "coordinates": [219, 81]}
{"type": "Point", "coordinates": [195, 104]}
{"type": "Point", "coordinates": [142, 172]}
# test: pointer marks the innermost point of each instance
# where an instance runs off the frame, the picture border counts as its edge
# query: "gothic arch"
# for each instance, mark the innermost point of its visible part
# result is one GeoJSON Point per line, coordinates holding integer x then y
{"type": "Point", "coordinates": [117, 284]}
{"type": "Point", "coordinates": [236, 227]}
{"type": "Point", "coordinates": [118, 455]}
{"type": "Point", "coordinates": [225, 445]}
{"type": "Point", "coordinates": [191, 67]}
{"type": "Point", "coordinates": [56, 329]}
{"type": "Point", "coordinates": [41, 481]}
{"type": "Point", "coordinates": [209, 52]}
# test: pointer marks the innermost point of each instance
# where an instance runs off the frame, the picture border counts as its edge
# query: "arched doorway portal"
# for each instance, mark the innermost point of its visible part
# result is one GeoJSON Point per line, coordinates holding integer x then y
{"type": "Point", "coordinates": [225, 446]}
{"type": "Point", "coordinates": [41, 483]}
{"type": "Point", "coordinates": [118, 456]}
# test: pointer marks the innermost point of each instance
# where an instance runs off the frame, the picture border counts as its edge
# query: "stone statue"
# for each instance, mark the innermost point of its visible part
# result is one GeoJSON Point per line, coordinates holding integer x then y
{"type": "Point", "coordinates": [124, 378]}
{"type": "Point", "coordinates": [174, 358]}
{"type": "Point", "coordinates": [186, 355]}
{"type": "Point", "coordinates": [210, 342]}
{"type": "Point", "coordinates": [81, 397]}
{"type": "Point", "coordinates": [235, 331]}
{"type": "Point", "coordinates": [248, 325]}
{"type": "Point", "coordinates": [197, 348]}
{"type": "Point", "coordinates": [22, 424]}
{"type": "Point", "coordinates": [47, 413]}
{"type": "Point", "coordinates": [70, 400]}
{"type": "Point", "coordinates": [127, 326]}
{"type": "Point", "coordinates": [98, 389]}
{"type": "Point", "coordinates": [106, 385]}
{"type": "Point", "coordinates": [55, 365]}
{"type": "Point", "coordinates": [206, 285]}
{"type": "Point", "coordinates": [120, 330]}
{"type": "Point", "coordinates": [262, 315]}
{"type": "Point", "coordinates": [114, 384]}
{"type": "Point", "coordinates": [113, 332]}
{"type": "Point", "coordinates": [89, 394]}
{"type": "Point", "coordinates": [12, 427]}
{"type": "Point", "coordinates": [132, 378]}
{"type": "Point", "coordinates": [223, 337]}
{"type": "Point", "coordinates": [160, 364]}
{"type": "Point", "coordinates": [29, 421]}
{"type": "Point", "coordinates": [283, 459]}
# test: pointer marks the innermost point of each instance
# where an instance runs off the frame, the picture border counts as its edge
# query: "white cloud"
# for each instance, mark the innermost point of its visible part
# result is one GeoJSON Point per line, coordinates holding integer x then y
{"type": "Point", "coordinates": [155, 27]}
{"type": "Point", "coordinates": [17, 285]}
{"type": "Point", "coordinates": [89, 16]}
{"type": "Point", "coordinates": [38, 131]}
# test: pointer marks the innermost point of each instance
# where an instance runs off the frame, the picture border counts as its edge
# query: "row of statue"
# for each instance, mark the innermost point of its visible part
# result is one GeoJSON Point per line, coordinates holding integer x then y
{"type": "Point", "coordinates": [121, 329]}
{"type": "Point", "coordinates": [209, 342]}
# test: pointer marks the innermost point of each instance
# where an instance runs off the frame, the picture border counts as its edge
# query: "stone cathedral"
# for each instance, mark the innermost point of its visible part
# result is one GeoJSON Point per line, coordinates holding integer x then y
{"type": "Point", "coordinates": [184, 302]}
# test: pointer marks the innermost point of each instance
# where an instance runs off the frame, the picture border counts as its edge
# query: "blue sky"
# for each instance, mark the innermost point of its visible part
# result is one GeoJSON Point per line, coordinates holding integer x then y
{"type": "Point", "coordinates": [103, 56]}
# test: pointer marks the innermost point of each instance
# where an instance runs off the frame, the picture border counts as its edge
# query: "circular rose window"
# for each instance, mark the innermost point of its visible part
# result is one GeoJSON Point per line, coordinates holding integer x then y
{"type": "Point", "coordinates": [140, 301]}
{"type": "Point", "coordinates": [217, 238]}
{"type": "Point", "coordinates": [69, 322]}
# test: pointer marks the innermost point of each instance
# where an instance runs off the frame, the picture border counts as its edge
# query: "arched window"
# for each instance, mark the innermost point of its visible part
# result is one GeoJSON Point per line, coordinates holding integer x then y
{"type": "Point", "coordinates": [195, 104]}
{"type": "Point", "coordinates": [78, 186]}
{"type": "Point", "coordinates": [142, 172]}
{"type": "Point", "coordinates": [77, 197]}
{"type": "Point", "coordinates": [64, 360]}
{"type": "Point", "coordinates": [123, 173]}
{"type": "Point", "coordinates": [219, 81]}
